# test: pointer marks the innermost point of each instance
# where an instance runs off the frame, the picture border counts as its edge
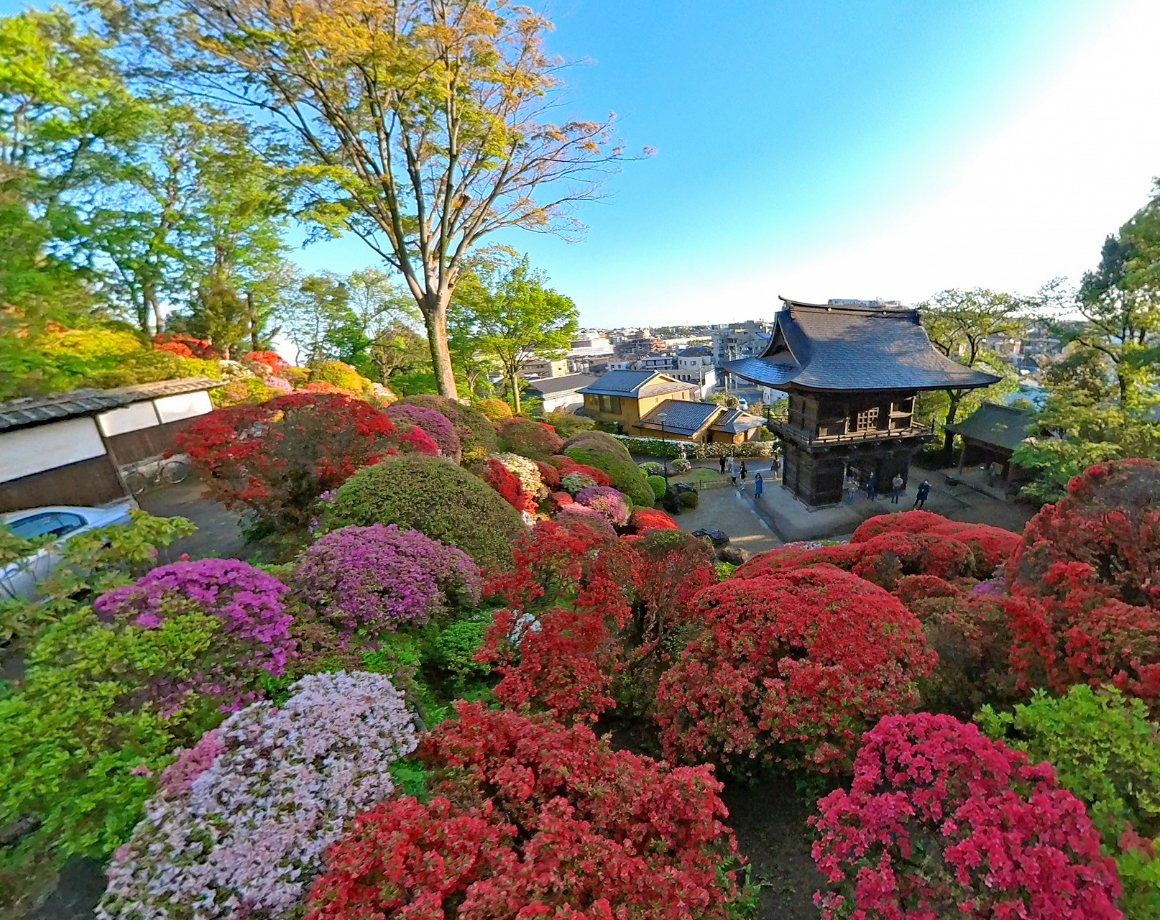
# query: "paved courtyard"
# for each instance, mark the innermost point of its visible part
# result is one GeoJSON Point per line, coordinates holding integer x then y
{"type": "Point", "coordinates": [728, 510]}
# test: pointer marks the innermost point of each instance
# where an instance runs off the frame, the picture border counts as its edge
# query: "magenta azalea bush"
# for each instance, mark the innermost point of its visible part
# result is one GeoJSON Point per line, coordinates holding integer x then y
{"type": "Point", "coordinates": [378, 577]}
{"type": "Point", "coordinates": [434, 423]}
{"type": "Point", "coordinates": [606, 500]}
{"type": "Point", "coordinates": [942, 821]}
{"type": "Point", "coordinates": [243, 834]}
{"type": "Point", "coordinates": [572, 516]}
{"type": "Point", "coordinates": [255, 632]}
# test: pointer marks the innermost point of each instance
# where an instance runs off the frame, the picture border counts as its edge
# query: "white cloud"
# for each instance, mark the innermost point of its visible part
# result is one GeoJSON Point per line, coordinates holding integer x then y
{"type": "Point", "coordinates": [1033, 201]}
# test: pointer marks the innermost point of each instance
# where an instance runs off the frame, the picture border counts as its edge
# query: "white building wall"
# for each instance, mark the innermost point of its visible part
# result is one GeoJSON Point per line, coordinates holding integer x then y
{"type": "Point", "coordinates": [45, 447]}
{"type": "Point", "coordinates": [187, 405]}
{"type": "Point", "coordinates": [128, 418]}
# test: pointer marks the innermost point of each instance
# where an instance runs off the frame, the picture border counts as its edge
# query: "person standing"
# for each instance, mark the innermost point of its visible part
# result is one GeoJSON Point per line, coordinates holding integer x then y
{"type": "Point", "coordinates": [872, 486]}
{"type": "Point", "coordinates": [896, 485]}
{"type": "Point", "coordinates": [729, 465]}
{"type": "Point", "coordinates": [923, 494]}
{"type": "Point", "coordinates": [744, 472]}
{"type": "Point", "coordinates": [851, 489]}
{"type": "Point", "coordinates": [758, 485]}
{"type": "Point", "coordinates": [722, 461]}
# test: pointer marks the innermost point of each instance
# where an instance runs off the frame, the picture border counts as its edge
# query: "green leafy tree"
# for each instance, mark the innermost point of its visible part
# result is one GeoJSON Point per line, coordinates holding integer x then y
{"type": "Point", "coordinates": [961, 324]}
{"type": "Point", "coordinates": [507, 311]}
{"type": "Point", "coordinates": [420, 128]}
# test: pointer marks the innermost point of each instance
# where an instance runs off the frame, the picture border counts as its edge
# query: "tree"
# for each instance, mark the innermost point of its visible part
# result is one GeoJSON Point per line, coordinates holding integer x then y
{"type": "Point", "coordinates": [419, 127]}
{"type": "Point", "coordinates": [318, 319]}
{"type": "Point", "coordinates": [959, 324]}
{"type": "Point", "coordinates": [1120, 302]}
{"type": "Point", "coordinates": [512, 315]}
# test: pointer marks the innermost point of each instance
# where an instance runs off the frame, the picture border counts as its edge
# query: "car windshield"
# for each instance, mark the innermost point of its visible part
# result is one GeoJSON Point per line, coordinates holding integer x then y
{"type": "Point", "coordinates": [56, 523]}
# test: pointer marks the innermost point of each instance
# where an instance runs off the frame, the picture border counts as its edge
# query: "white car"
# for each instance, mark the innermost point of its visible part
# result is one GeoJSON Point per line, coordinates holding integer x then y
{"type": "Point", "coordinates": [19, 578]}
{"type": "Point", "coordinates": [743, 404]}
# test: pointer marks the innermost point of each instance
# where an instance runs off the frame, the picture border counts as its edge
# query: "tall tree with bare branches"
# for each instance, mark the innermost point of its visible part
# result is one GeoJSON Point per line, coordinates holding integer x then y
{"type": "Point", "coordinates": [418, 125]}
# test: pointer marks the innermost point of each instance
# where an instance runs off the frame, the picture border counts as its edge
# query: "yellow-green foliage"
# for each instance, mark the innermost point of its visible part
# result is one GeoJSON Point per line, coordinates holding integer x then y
{"type": "Point", "coordinates": [340, 375]}
{"type": "Point", "coordinates": [496, 410]}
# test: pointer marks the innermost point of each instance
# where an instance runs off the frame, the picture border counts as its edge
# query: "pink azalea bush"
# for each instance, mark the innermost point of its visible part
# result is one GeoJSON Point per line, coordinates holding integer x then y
{"type": "Point", "coordinates": [434, 424]}
{"type": "Point", "coordinates": [941, 821]}
{"type": "Point", "coordinates": [606, 500]}
{"type": "Point", "coordinates": [245, 836]}
{"type": "Point", "coordinates": [255, 634]}
{"type": "Point", "coordinates": [376, 578]}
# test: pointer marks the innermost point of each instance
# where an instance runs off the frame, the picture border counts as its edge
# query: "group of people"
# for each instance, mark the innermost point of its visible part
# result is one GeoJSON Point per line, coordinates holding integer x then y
{"type": "Point", "coordinates": [727, 465]}
{"type": "Point", "coordinates": [897, 485]}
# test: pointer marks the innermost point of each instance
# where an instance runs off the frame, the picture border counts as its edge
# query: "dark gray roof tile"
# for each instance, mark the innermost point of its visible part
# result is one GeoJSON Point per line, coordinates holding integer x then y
{"type": "Point", "coordinates": [681, 416]}
{"type": "Point", "coordinates": [998, 426]}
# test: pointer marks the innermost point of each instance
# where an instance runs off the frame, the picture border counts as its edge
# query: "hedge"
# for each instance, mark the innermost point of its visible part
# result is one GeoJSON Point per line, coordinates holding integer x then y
{"type": "Point", "coordinates": [623, 474]}
{"type": "Point", "coordinates": [436, 498]}
{"type": "Point", "coordinates": [695, 450]}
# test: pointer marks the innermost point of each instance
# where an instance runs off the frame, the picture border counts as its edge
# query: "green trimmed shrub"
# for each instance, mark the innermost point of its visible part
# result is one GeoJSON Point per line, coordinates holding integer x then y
{"type": "Point", "coordinates": [528, 439]}
{"type": "Point", "coordinates": [604, 452]}
{"type": "Point", "coordinates": [568, 424]}
{"type": "Point", "coordinates": [476, 432]}
{"type": "Point", "coordinates": [1106, 752]}
{"type": "Point", "coordinates": [496, 410]}
{"type": "Point", "coordinates": [658, 485]}
{"type": "Point", "coordinates": [689, 500]}
{"type": "Point", "coordinates": [436, 498]}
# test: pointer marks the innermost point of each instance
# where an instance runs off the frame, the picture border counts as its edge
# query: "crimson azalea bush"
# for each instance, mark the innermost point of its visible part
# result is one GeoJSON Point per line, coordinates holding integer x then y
{"type": "Point", "coordinates": [552, 643]}
{"type": "Point", "coordinates": [507, 484]}
{"type": "Point", "coordinates": [942, 821]}
{"type": "Point", "coordinates": [991, 546]}
{"type": "Point", "coordinates": [242, 821]}
{"type": "Point", "coordinates": [248, 602]}
{"type": "Point", "coordinates": [528, 818]}
{"type": "Point", "coordinates": [184, 346]}
{"type": "Point", "coordinates": [887, 558]}
{"type": "Point", "coordinates": [271, 359]}
{"type": "Point", "coordinates": [790, 669]}
{"type": "Point", "coordinates": [277, 457]}
{"type": "Point", "coordinates": [567, 465]}
{"type": "Point", "coordinates": [903, 522]}
{"type": "Point", "coordinates": [645, 519]}
{"type": "Point", "coordinates": [374, 579]}
{"type": "Point", "coordinates": [433, 423]}
{"type": "Point", "coordinates": [607, 501]}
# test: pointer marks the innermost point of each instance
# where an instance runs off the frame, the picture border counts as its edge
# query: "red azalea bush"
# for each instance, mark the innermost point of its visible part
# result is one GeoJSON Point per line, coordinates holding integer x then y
{"type": "Point", "coordinates": [902, 522]}
{"type": "Point", "coordinates": [567, 465]}
{"type": "Point", "coordinates": [531, 819]}
{"type": "Point", "coordinates": [270, 359]}
{"type": "Point", "coordinates": [991, 546]}
{"type": "Point", "coordinates": [645, 519]}
{"type": "Point", "coordinates": [552, 644]}
{"type": "Point", "coordinates": [508, 485]}
{"type": "Point", "coordinates": [277, 457]}
{"type": "Point", "coordinates": [185, 346]}
{"type": "Point", "coordinates": [941, 821]}
{"type": "Point", "coordinates": [788, 558]}
{"type": "Point", "coordinates": [549, 475]}
{"type": "Point", "coordinates": [791, 668]}
{"type": "Point", "coordinates": [528, 438]}
{"type": "Point", "coordinates": [889, 557]}
{"type": "Point", "coordinates": [433, 423]}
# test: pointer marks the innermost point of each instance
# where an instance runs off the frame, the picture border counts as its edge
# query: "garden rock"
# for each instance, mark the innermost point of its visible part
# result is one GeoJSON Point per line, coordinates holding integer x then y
{"type": "Point", "coordinates": [733, 555]}
{"type": "Point", "coordinates": [717, 537]}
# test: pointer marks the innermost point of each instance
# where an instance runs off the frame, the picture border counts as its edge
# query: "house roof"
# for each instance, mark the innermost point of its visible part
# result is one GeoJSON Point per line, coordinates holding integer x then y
{"type": "Point", "coordinates": [681, 416]}
{"type": "Point", "coordinates": [734, 421]}
{"type": "Point", "coordinates": [696, 351]}
{"type": "Point", "coordinates": [996, 426]}
{"type": "Point", "coordinates": [40, 410]}
{"type": "Point", "coordinates": [554, 386]}
{"type": "Point", "coordinates": [854, 347]}
{"type": "Point", "coordinates": [634, 383]}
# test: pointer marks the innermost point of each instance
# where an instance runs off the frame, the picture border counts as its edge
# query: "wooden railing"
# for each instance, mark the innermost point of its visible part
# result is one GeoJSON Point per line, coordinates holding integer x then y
{"type": "Point", "coordinates": [782, 427]}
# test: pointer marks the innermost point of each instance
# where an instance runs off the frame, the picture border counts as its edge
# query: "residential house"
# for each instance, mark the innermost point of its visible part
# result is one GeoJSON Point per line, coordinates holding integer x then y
{"type": "Point", "coordinates": [559, 393]}
{"type": "Point", "coordinates": [696, 365]}
{"type": "Point", "coordinates": [544, 367]}
{"type": "Point", "coordinates": [70, 448]}
{"type": "Point", "coordinates": [743, 340]}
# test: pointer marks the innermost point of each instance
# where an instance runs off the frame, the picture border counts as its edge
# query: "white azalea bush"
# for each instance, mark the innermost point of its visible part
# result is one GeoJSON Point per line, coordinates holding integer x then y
{"type": "Point", "coordinates": [525, 471]}
{"type": "Point", "coordinates": [241, 821]}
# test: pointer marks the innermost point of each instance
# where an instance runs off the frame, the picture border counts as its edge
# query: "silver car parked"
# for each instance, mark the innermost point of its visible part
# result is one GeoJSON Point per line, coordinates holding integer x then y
{"type": "Point", "coordinates": [61, 522]}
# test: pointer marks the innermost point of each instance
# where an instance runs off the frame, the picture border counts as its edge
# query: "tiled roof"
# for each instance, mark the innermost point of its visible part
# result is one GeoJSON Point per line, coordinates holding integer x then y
{"type": "Point", "coordinates": [696, 351]}
{"type": "Point", "coordinates": [681, 416]}
{"type": "Point", "coordinates": [39, 410]}
{"type": "Point", "coordinates": [997, 426]}
{"type": "Point", "coordinates": [634, 383]}
{"type": "Point", "coordinates": [553, 386]}
{"type": "Point", "coordinates": [734, 421]}
{"type": "Point", "coordinates": [842, 347]}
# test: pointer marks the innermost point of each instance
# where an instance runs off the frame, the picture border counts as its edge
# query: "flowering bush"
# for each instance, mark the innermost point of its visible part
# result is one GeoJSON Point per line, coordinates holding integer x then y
{"type": "Point", "coordinates": [580, 516]}
{"type": "Point", "coordinates": [435, 497]}
{"type": "Point", "coordinates": [651, 468]}
{"type": "Point", "coordinates": [507, 484]}
{"type": "Point", "coordinates": [549, 475]}
{"type": "Point", "coordinates": [246, 835]}
{"type": "Point", "coordinates": [575, 482]}
{"type": "Point", "coordinates": [681, 466]}
{"type": "Point", "coordinates": [271, 359]}
{"type": "Point", "coordinates": [791, 668]}
{"type": "Point", "coordinates": [434, 424]}
{"type": "Point", "coordinates": [528, 438]}
{"type": "Point", "coordinates": [941, 820]}
{"type": "Point", "coordinates": [476, 434]}
{"type": "Point", "coordinates": [184, 346]}
{"type": "Point", "coordinates": [278, 384]}
{"type": "Point", "coordinates": [902, 522]}
{"type": "Point", "coordinates": [609, 502]}
{"type": "Point", "coordinates": [255, 634]}
{"type": "Point", "coordinates": [531, 819]}
{"type": "Point", "coordinates": [1106, 752]}
{"type": "Point", "coordinates": [990, 546]}
{"type": "Point", "coordinates": [527, 470]}
{"type": "Point", "coordinates": [887, 558]}
{"type": "Point", "coordinates": [646, 519]}
{"type": "Point", "coordinates": [276, 458]}
{"type": "Point", "coordinates": [376, 578]}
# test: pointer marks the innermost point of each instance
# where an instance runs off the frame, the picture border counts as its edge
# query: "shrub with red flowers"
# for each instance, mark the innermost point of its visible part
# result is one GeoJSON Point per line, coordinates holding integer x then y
{"type": "Point", "coordinates": [889, 557]}
{"type": "Point", "coordinates": [607, 501]}
{"type": "Point", "coordinates": [528, 438]}
{"type": "Point", "coordinates": [791, 668]}
{"type": "Point", "coordinates": [507, 484]}
{"type": "Point", "coordinates": [185, 346]}
{"type": "Point", "coordinates": [271, 359]}
{"type": "Point", "coordinates": [531, 819]}
{"type": "Point", "coordinates": [941, 821]}
{"type": "Point", "coordinates": [990, 546]}
{"type": "Point", "coordinates": [903, 522]}
{"type": "Point", "coordinates": [255, 634]}
{"type": "Point", "coordinates": [433, 423]}
{"type": "Point", "coordinates": [790, 557]}
{"type": "Point", "coordinates": [549, 475]}
{"type": "Point", "coordinates": [567, 465]}
{"type": "Point", "coordinates": [277, 457]}
{"type": "Point", "coordinates": [376, 578]}
{"type": "Point", "coordinates": [645, 519]}
{"type": "Point", "coordinates": [553, 642]}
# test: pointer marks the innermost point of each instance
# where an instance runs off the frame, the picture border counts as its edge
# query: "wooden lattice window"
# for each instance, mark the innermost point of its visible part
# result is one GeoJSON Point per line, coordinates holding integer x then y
{"type": "Point", "coordinates": [867, 420]}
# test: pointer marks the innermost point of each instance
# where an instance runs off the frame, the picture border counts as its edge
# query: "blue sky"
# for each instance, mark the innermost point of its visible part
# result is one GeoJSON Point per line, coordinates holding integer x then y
{"type": "Point", "coordinates": [857, 148]}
